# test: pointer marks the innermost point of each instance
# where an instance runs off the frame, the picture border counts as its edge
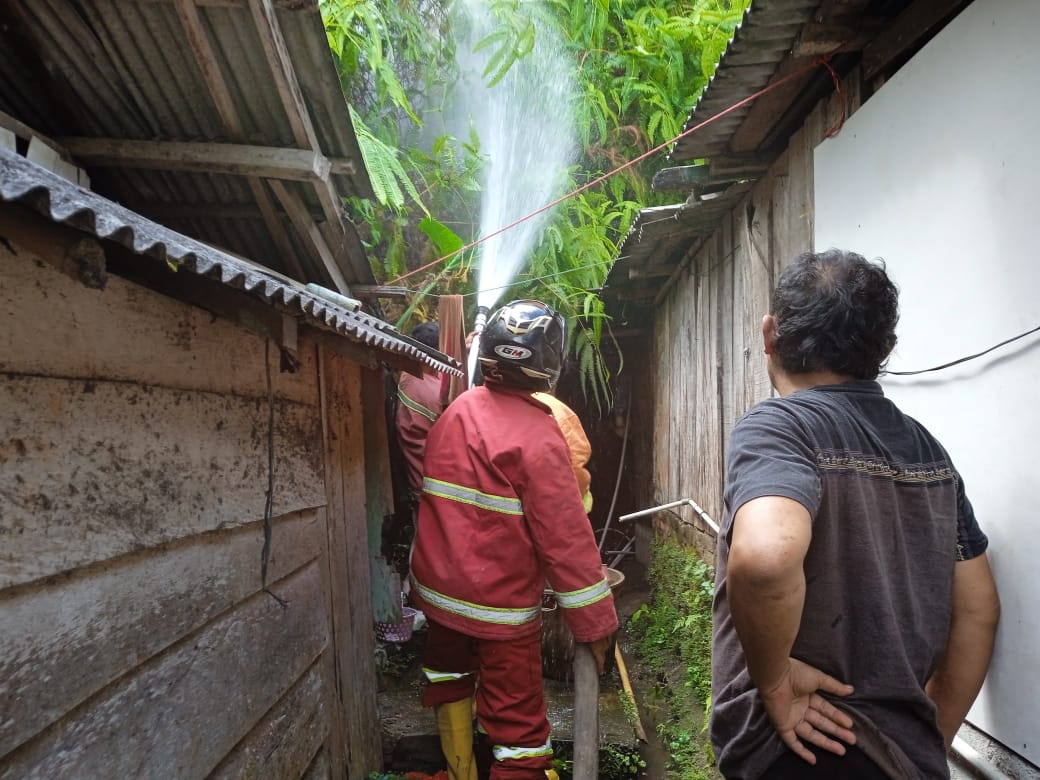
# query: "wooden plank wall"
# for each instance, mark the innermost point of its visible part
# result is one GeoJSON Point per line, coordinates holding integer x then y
{"type": "Point", "coordinates": [709, 367]}
{"type": "Point", "coordinates": [134, 638]}
{"type": "Point", "coordinates": [353, 665]}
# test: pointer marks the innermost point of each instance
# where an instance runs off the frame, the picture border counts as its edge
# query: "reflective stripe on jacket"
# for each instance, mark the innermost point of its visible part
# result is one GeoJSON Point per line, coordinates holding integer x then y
{"type": "Point", "coordinates": [500, 515]}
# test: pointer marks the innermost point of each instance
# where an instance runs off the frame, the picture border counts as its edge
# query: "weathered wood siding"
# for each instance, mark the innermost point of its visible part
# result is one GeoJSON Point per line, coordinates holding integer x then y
{"type": "Point", "coordinates": [135, 640]}
{"type": "Point", "coordinates": [352, 668]}
{"type": "Point", "coordinates": [709, 368]}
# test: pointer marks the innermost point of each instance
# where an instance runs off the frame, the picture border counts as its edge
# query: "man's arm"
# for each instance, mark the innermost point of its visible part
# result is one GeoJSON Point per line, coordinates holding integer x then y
{"type": "Point", "coordinates": [765, 583]}
{"type": "Point", "coordinates": [973, 627]}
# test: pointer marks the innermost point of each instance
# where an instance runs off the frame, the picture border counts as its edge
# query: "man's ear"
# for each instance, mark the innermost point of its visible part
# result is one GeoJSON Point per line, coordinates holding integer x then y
{"type": "Point", "coordinates": [769, 334]}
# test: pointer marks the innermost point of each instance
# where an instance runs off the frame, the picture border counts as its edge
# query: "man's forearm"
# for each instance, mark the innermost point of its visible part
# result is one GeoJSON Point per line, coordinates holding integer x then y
{"type": "Point", "coordinates": [969, 648]}
{"type": "Point", "coordinates": [765, 582]}
{"type": "Point", "coordinates": [767, 611]}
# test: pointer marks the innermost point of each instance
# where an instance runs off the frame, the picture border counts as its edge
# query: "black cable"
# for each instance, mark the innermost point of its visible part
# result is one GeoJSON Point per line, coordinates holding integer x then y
{"type": "Point", "coordinates": [963, 359]}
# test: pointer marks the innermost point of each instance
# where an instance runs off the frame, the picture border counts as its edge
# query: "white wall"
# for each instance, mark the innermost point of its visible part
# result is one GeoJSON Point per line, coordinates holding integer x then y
{"type": "Point", "coordinates": [939, 174]}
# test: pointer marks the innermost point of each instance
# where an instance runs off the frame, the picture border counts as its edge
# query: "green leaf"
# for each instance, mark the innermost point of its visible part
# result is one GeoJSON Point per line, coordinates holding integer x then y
{"type": "Point", "coordinates": [444, 238]}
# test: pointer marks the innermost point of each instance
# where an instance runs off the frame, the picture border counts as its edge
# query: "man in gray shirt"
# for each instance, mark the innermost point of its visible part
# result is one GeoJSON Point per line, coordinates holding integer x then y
{"type": "Point", "coordinates": [855, 610]}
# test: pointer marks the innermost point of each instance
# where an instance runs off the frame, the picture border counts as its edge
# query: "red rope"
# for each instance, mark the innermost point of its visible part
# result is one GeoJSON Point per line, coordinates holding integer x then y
{"type": "Point", "coordinates": [823, 60]}
{"type": "Point", "coordinates": [839, 89]}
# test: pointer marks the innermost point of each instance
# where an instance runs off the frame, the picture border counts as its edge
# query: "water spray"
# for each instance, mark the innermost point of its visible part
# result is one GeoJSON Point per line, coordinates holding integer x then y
{"type": "Point", "coordinates": [474, 347]}
{"type": "Point", "coordinates": [528, 141]}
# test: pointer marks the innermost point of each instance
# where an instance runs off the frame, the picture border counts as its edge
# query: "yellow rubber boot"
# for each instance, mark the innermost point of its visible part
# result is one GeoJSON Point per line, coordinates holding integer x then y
{"type": "Point", "coordinates": [455, 725]}
{"type": "Point", "coordinates": [551, 774]}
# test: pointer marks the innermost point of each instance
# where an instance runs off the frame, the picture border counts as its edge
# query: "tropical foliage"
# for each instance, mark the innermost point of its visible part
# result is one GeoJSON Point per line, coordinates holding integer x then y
{"type": "Point", "coordinates": [640, 65]}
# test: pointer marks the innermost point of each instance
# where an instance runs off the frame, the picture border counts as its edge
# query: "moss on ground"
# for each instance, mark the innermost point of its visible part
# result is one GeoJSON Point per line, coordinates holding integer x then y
{"type": "Point", "coordinates": [672, 638]}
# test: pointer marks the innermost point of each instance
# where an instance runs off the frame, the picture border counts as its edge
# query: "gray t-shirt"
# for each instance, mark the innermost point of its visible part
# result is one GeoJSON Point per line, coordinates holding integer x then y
{"type": "Point", "coordinates": [890, 520]}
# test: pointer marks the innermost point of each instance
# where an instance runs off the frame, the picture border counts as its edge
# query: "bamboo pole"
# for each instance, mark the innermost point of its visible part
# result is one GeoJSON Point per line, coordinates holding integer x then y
{"type": "Point", "coordinates": [627, 685]}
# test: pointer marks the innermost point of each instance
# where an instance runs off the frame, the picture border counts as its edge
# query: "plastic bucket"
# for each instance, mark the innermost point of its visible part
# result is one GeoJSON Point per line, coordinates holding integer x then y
{"type": "Point", "coordinates": [557, 640]}
{"type": "Point", "coordinates": [397, 632]}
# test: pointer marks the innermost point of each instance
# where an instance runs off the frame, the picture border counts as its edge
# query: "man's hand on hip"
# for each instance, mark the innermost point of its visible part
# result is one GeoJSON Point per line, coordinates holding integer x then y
{"type": "Point", "coordinates": [798, 711]}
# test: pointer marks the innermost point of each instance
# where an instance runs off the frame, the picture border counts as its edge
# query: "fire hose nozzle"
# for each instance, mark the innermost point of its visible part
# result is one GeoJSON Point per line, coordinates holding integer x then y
{"type": "Point", "coordinates": [474, 348]}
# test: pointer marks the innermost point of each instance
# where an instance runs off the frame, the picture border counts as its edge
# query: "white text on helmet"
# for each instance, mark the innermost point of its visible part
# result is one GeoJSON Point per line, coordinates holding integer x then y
{"type": "Point", "coordinates": [512, 352]}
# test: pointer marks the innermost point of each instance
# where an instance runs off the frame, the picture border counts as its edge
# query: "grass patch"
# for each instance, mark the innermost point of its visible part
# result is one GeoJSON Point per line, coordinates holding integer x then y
{"type": "Point", "coordinates": [616, 762]}
{"type": "Point", "coordinates": [672, 638]}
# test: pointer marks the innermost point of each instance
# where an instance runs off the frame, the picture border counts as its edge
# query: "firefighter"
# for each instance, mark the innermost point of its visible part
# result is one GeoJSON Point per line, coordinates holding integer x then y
{"type": "Point", "coordinates": [420, 400]}
{"type": "Point", "coordinates": [500, 515]}
{"type": "Point", "coordinates": [577, 444]}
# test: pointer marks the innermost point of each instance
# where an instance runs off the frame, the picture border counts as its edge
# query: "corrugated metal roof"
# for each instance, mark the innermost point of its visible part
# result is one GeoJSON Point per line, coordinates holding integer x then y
{"type": "Point", "coordinates": [781, 43]}
{"type": "Point", "coordinates": [24, 182]}
{"type": "Point", "coordinates": [146, 70]}
{"type": "Point", "coordinates": [765, 37]}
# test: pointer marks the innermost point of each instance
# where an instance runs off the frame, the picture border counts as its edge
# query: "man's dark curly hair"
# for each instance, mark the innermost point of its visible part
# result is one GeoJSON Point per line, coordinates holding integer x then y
{"type": "Point", "coordinates": [835, 311]}
{"type": "Point", "coordinates": [428, 333]}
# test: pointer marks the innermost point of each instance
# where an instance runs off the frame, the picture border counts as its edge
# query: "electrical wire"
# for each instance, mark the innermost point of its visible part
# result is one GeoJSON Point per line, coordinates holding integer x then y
{"type": "Point", "coordinates": [958, 361]}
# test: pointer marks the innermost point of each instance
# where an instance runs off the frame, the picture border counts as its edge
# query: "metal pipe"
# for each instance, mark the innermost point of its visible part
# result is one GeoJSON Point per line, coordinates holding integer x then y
{"type": "Point", "coordinates": [474, 347]}
{"type": "Point", "coordinates": [971, 757]}
{"type": "Point", "coordinates": [619, 554]}
{"type": "Point", "coordinates": [687, 501]}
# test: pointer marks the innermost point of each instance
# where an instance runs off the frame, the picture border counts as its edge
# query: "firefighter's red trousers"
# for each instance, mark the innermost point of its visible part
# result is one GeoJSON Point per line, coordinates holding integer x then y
{"type": "Point", "coordinates": [510, 699]}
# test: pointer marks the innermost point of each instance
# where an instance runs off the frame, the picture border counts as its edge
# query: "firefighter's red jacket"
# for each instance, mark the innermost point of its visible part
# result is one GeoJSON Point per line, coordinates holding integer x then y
{"type": "Point", "coordinates": [500, 515]}
{"type": "Point", "coordinates": [419, 403]}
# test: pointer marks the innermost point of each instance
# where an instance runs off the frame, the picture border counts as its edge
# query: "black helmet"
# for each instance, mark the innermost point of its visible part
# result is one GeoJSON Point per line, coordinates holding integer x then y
{"type": "Point", "coordinates": [522, 345]}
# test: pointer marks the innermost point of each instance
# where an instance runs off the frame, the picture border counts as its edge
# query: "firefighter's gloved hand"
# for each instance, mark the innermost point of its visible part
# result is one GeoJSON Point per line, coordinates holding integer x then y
{"type": "Point", "coordinates": [600, 648]}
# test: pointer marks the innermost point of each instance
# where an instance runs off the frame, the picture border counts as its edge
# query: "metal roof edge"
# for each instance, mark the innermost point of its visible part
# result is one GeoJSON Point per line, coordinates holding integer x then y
{"type": "Point", "coordinates": [757, 27]}
{"type": "Point", "coordinates": [22, 181]}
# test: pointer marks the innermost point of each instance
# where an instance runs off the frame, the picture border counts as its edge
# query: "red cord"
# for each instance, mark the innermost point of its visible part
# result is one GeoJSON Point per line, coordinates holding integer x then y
{"type": "Point", "coordinates": [839, 89]}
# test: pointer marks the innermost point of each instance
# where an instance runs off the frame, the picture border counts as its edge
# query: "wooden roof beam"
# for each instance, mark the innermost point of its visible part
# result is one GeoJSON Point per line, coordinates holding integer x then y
{"type": "Point", "coordinates": [298, 6]}
{"type": "Point", "coordinates": [307, 228]}
{"type": "Point", "coordinates": [912, 26]}
{"type": "Point", "coordinates": [821, 38]}
{"type": "Point", "coordinates": [378, 291]}
{"type": "Point", "coordinates": [284, 73]}
{"type": "Point", "coordinates": [206, 59]}
{"type": "Point", "coordinates": [269, 162]}
{"type": "Point", "coordinates": [306, 137]}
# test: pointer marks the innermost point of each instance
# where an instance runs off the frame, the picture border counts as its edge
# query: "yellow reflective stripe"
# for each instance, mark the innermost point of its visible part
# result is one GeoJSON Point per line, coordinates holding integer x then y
{"type": "Point", "coordinates": [582, 598]}
{"type": "Point", "coordinates": [505, 753]}
{"type": "Point", "coordinates": [434, 676]}
{"type": "Point", "coordinates": [498, 615]}
{"type": "Point", "coordinates": [504, 504]}
{"type": "Point", "coordinates": [415, 406]}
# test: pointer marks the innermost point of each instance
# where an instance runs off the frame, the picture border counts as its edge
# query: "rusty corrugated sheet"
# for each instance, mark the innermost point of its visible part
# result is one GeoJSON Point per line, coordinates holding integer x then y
{"type": "Point", "coordinates": [765, 37]}
{"type": "Point", "coordinates": [26, 183]}
{"type": "Point", "coordinates": [127, 70]}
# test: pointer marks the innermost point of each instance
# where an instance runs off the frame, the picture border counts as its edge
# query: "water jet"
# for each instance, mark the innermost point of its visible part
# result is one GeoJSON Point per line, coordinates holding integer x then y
{"type": "Point", "coordinates": [527, 136]}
